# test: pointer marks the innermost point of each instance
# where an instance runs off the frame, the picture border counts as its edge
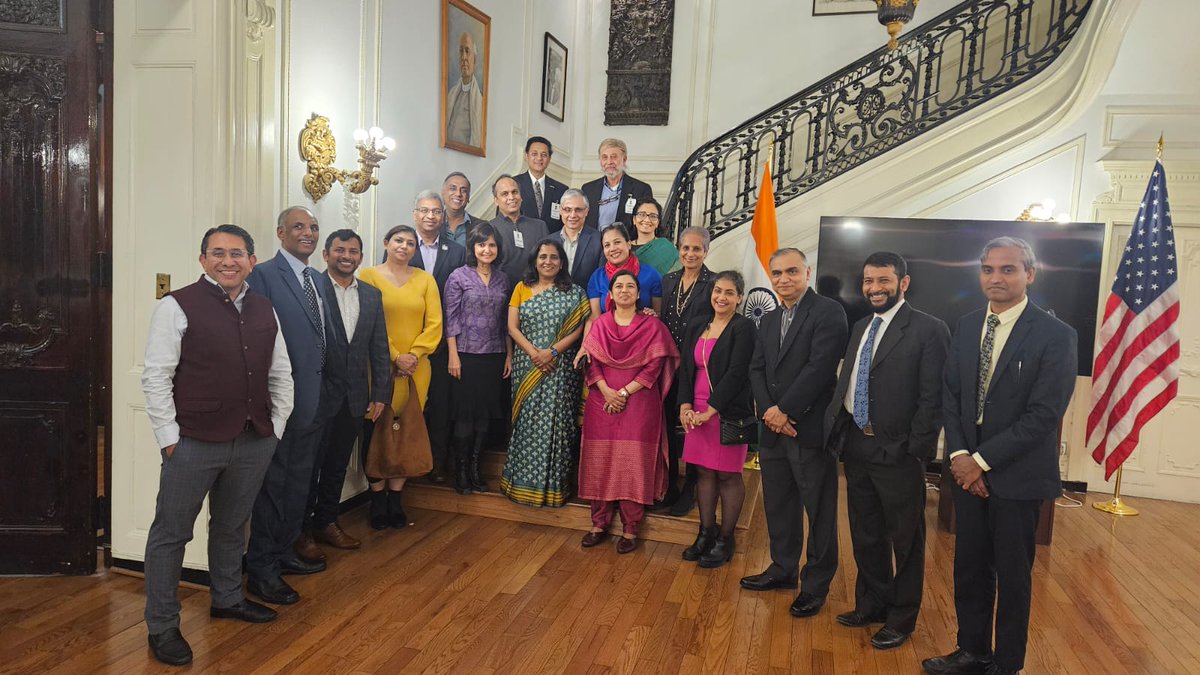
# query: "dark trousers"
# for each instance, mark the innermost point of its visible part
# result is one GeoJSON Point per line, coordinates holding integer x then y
{"type": "Point", "coordinates": [329, 470]}
{"type": "Point", "coordinates": [993, 551]}
{"type": "Point", "coordinates": [796, 481]}
{"type": "Point", "coordinates": [438, 419]}
{"type": "Point", "coordinates": [229, 474]}
{"type": "Point", "coordinates": [279, 508]}
{"type": "Point", "coordinates": [885, 499]}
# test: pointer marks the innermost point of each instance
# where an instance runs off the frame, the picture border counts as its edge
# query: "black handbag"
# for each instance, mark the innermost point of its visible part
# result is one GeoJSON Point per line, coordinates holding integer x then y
{"type": "Point", "coordinates": [734, 432]}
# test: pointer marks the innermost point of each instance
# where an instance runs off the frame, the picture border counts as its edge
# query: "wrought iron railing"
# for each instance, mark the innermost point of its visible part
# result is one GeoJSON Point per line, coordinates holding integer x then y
{"type": "Point", "coordinates": [951, 64]}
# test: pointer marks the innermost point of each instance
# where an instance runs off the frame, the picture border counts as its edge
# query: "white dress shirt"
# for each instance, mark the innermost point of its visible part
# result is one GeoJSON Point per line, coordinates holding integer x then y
{"type": "Point", "coordinates": [887, 321]}
{"type": "Point", "coordinates": [163, 347]}
{"type": "Point", "coordinates": [347, 300]}
{"type": "Point", "coordinates": [1008, 318]}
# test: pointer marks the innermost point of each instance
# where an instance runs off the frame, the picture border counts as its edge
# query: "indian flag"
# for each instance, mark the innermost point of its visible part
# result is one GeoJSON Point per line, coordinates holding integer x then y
{"type": "Point", "coordinates": [763, 241]}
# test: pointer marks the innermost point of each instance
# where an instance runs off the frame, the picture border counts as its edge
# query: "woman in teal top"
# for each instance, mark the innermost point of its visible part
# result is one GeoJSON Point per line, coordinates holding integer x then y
{"type": "Point", "coordinates": [653, 250]}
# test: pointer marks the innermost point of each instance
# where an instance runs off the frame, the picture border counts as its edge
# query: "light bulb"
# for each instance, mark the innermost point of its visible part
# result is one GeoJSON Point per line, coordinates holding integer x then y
{"type": "Point", "coordinates": [1049, 204]}
{"type": "Point", "coordinates": [388, 143]}
{"type": "Point", "coordinates": [360, 135]}
{"type": "Point", "coordinates": [1038, 212]}
{"type": "Point", "coordinates": [376, 133]}
{"type": "Point", "coordinates": [1063, 218]}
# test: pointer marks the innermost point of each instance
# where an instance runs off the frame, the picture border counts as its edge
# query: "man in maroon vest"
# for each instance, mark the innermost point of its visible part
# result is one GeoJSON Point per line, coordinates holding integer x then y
{"type": "Point", "coordinates": [218, 388]}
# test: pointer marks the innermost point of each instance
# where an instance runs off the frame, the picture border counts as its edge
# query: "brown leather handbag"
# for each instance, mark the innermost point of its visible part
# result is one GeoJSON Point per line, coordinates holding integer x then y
{"type": "Point", "coordinates": [400, 444]}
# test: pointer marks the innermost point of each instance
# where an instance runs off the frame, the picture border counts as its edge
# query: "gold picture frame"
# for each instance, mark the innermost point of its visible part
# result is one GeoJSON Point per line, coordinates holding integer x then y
{"type": "Point", "coordinates": [463, 87]}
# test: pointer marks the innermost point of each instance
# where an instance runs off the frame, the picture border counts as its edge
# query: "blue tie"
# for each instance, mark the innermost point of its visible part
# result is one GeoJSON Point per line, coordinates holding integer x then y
{"type": "Point", "coordinates": [863, 377]}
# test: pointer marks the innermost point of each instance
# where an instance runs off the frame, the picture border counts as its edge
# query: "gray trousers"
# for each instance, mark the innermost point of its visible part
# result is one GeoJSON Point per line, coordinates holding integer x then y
{"type": "Point", "coordinates": [230, 474]}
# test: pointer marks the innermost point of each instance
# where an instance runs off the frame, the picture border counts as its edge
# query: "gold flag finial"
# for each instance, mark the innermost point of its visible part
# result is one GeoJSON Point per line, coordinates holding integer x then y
{"type": "Point", "coordinates": [1158, 150]}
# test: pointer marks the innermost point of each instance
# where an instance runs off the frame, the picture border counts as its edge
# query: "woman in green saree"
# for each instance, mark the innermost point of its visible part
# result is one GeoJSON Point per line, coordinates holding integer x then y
{"type": "Point", "coordinates": [651, 249]}
{"type": "Point", "coordinates": [545, 319]}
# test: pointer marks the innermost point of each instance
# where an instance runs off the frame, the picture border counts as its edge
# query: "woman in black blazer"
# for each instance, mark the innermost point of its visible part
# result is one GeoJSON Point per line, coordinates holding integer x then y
{"type": "Point", "coordinates": [714, 383]}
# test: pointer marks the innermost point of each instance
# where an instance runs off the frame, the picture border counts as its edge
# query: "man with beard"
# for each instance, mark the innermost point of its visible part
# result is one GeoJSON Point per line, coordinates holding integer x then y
{"type": "Point", "coordinates": [464, 101]}
{"type": "Point", "coordinates": [614, 196]}
{"type": "Point", "coordinates": [456, 192]}
{"type": "Point", "coordinates": [884, 422]}
{"type": "Point", "coordinates": [540, 194]}
{"type": "Point", "coordinates": [520, 233]}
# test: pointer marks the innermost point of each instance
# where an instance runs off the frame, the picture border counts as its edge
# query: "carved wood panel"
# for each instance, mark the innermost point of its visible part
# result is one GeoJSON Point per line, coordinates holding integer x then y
{"type": "Point", "coordinates": [640, 38]}
{"type": "Point", "coordinates": [45, 15]}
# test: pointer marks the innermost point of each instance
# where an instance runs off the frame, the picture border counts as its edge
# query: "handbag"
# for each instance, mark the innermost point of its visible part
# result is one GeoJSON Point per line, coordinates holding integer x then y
{"type": "Point", "coordinates": [733, 432]}
{"type": "Point", "coordinates": [400, 443]}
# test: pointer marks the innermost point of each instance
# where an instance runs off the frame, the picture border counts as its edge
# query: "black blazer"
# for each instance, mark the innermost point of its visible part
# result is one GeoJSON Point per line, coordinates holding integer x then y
{"type": "Point", "coordinates": [630, 187]}
{"type": "Point", "coordinates": [905, 388]}
{"type": "Point", "coordinates": [699, 309]}
{"type": "Point", "coordinates": [451, 256]}
{"type": "Point", "coordinates": [551, 195]}
{"type": "Point", "coordinates": [348, 363]}
{"type": "Point", "coordinates": [729, 368]}
{"type": "Point", "coordinates": [1025, 402]}
{"type": "Point", "coordinates": [588, 255]}
{"type": "Point", "coordinates": [799, 376]}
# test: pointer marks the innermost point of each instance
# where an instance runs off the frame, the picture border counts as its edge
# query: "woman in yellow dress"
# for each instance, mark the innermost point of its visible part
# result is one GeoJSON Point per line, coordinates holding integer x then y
{"type": "Point", "coordinates": [412, 310]}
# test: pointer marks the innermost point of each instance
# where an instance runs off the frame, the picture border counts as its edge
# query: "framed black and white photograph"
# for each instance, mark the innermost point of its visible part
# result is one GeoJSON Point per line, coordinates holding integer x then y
{"type": "Point", "coordinates": [554, 78]}
{"type": "Point", "coordinates": [824, 7]}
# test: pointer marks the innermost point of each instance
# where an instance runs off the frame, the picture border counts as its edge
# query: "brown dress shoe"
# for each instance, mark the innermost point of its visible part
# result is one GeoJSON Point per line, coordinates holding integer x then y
{"type": "Point", "coordinates": [592, 538]}
{"type": "Point", "coordinates": [306, 548]}
{"type": "Point", "coordinates": [626, 545]}
{"type": "Point", "coordinates": [333, 535]}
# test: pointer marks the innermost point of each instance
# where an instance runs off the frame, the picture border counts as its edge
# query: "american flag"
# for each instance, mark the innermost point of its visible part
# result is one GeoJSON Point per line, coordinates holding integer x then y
{"type": "Point", "coordinates": [1137, 367]}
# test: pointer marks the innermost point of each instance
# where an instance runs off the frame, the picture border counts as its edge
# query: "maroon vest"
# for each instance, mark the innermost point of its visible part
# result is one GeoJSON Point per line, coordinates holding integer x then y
{"type": "Point", "coordinates": [224, 359]}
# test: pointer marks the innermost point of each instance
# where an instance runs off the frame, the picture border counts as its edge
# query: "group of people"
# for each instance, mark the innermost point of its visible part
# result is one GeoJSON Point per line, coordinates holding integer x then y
{"type": "Point", "coordinates": [602, 360]}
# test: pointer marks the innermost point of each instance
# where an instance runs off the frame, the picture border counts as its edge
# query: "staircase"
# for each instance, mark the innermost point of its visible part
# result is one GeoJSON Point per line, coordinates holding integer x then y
{"type": "Point", "coordinates": [963, 59]}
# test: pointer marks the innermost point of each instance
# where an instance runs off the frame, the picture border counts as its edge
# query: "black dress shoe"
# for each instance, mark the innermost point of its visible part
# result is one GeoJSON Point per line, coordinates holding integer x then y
{"type": "Point", "coordinates": [997, 670]}
{"type": "Point", "coordinates": [806, 604]}
{"type": "Point", "coordinates": [720, 553]}
{"type": "Point", "coordinates": [704, 541]}
{"type": "Point", "coordinates": [276, 591]}
{"type": "Point", "coordinates": [767, 581]}
{"type": "Point", "coordinates": [170, 648]}
{"type": "Point", "coordinates": [246, 610]}
{"type": "Point", "coordinates": [888, 638]}
{"type": "Point", "coordinates": [436, 476]}
{"type": "Point", "coordinates": [592, 539]}
{"type": "Point", "coordinates": [294, 564]}
{"type": "Point", "coordinates": [958, 662]}
{"type": "Point", "coordinates": [857, 619]}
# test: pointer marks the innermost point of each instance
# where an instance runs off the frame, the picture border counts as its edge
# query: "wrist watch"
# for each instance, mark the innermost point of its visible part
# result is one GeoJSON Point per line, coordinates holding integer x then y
{"type": "Point", "coordinates": [554, 352]}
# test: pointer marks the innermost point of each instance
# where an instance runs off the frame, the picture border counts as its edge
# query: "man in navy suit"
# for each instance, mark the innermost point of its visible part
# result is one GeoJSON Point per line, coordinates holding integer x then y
{"type": "Point", "coordinates": [614, 195]}
{"type": "Point", "coordinates": [1008, 379]}
{"type": "Point", "coordinates": [582, 244]}
{"type": "Point", "coordinates": [438, 254]}
{"type": "Point", "coordinates": [291, 286]}
{"type": "Point", "coordinates": [358, 348]}
{"type": "Point", "coordinates": [884, 422]}
{"type": "Point", "coordinates": [541, 195]}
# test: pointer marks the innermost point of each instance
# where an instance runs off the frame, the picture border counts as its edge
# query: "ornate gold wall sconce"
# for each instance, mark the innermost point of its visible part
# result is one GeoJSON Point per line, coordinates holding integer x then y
{"type": "Point", "coordinates": [319, 149]}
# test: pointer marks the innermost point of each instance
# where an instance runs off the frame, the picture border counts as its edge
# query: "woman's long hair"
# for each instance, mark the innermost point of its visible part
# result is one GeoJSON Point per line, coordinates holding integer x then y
{"type": "Point", "coordinates": [562, 280]}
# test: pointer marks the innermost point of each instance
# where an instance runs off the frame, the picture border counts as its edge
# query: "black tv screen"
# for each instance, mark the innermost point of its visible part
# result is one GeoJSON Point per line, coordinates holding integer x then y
{"type": "Point", "coordinates": [943, 261]}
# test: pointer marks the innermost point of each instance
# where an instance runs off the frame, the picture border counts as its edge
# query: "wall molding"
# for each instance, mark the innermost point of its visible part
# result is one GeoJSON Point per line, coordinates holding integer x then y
{"type": "Point", "coordinates": [1183, 121]}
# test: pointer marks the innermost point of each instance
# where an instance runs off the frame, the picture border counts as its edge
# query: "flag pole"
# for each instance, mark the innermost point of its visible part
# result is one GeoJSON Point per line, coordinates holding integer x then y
{"type": "Point", "coordinates": [1115, 506]}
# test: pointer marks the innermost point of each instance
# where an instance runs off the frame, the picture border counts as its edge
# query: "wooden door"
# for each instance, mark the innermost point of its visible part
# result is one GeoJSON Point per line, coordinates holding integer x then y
{"type": "Point", "coordinates": [53, 269]}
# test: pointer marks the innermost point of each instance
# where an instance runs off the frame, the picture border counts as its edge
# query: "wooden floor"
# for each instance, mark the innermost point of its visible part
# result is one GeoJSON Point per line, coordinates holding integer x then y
{"type": "Point", "coordinates": [463, 593]}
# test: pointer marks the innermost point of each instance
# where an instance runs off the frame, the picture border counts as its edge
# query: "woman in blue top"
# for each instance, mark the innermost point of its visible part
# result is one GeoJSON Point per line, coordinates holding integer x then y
{"type": "Point", "coordinates": [618, 255]}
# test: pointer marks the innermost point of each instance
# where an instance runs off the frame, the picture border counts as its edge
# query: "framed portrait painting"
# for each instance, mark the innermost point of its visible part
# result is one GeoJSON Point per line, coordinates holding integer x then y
{"type": "Point", "coordinates": [822, 7]}
{"type": "Point", "coordinates": [463, 87]}
{"type": "Point", "coordinates": [554, 78]}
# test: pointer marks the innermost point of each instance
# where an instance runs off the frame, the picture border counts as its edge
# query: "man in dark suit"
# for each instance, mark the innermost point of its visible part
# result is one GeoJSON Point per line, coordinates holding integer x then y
{"type": "Point", "coordinates": [359, 346]}
{"type": "Point", "coordinates": [884, 422]}
{"type": "Point", "coordinates": [582, 244]}
{"type": "Point", "coordinates": [541, 195]}
{"type": "Point", "coordinates": [438, 255]}
{"type": "Point", "coordinates": [614, 196]}
{"type": "Point", "coordinates": [1008, 379]}
{"type": "Point", "coordinates": [793, 375]}
{"type": "Point", "coordinates": [291, 286]}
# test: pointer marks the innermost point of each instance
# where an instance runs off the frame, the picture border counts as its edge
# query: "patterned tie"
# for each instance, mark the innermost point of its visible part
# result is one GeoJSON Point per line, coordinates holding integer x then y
{"type": "Point", "coordinates": [537, 195]}
{"type": "Point", "coordinates": [985, 361]}
{"type": "Point", "coordinates": [863, 377]}
{"type": "Point", "coordinates": [314, 310]}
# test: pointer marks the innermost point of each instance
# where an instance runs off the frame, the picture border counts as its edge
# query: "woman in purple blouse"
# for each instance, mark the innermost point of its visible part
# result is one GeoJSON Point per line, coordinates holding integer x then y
{"type": "Point", "coordinates": [480, 351]}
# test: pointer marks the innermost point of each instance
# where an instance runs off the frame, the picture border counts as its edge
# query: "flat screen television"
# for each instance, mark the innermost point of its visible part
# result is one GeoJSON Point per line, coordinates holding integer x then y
{"type": "Point", "coordinates": [943, 261]}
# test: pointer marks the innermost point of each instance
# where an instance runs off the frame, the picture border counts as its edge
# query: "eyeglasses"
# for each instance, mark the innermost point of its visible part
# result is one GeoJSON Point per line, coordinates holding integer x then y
{"type": "Point", "coordinates": [425, 212]}
{"type": "Point", "coordinates": [572, 209]}
{"type": "Point", "coordinates": [221, 254]}
{"type": "Point", "coordinates": [646, 214]}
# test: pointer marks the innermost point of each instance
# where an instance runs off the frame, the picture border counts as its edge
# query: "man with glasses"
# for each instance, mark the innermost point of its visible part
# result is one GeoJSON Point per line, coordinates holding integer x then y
{"type": "Point", "coordinates": [438, 255]}
{"type": "Point", "coordinates": [614, 195]}
{"type": "Point", "coordinates": [541, 195]}
{"type": "Point", "coordinates": [581, 244]}
{"type": "Point", "coordinates": [520, 233]}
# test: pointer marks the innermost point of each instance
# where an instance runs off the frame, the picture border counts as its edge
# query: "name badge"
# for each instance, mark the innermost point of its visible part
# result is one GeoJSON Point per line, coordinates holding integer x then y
{"type": "Point", "coordinates": [632, 202]}
{"type": "Point", "coordinates": [518, 239]}
{"type": "Point", "coordinates": [554, 211]}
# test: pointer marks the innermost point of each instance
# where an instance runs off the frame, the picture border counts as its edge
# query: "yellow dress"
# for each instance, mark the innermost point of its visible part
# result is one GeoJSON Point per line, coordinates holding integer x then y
{"type": "Point", "coordinates": [413, 314]}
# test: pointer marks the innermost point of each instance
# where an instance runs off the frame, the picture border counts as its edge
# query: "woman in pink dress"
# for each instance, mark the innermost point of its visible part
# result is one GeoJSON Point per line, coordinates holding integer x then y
{"type": "Point", "coordinates": [623, 452]}
{"type": "Point", "coordinates": [714, 383]}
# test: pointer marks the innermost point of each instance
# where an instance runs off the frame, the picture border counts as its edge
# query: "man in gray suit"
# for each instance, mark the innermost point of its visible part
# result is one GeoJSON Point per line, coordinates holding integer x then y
{"type": "Point", "coordinates": [290, 284]}
{"type": "Point", "coordinates": [520, 233]}
{"type": "Point", "coordinates": [359, 346]}
{"type": "Point", "coordinates": [218, 390]}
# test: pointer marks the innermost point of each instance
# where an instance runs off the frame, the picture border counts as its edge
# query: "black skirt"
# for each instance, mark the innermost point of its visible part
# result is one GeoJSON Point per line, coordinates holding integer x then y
{"type": "Point", "coordinates": [478, 397]}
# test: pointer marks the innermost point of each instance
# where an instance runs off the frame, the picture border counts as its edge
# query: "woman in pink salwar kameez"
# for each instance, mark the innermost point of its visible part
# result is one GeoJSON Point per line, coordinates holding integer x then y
{"type": "Point", "coordinates": [623, 456]}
